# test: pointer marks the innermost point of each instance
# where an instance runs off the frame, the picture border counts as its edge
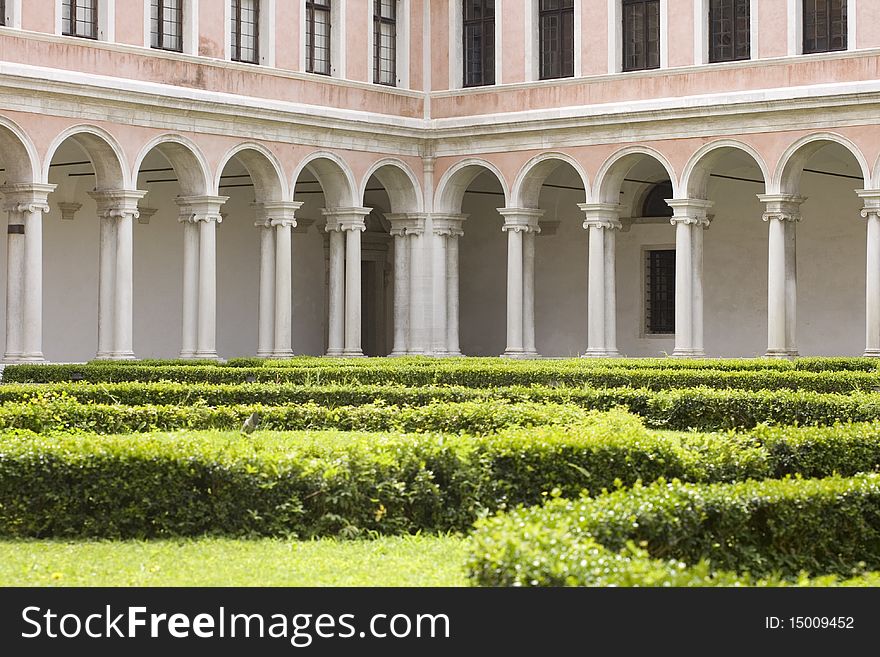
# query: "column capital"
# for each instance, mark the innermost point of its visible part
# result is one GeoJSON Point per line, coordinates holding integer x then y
{"type": "Point", "coordinates": [690, 211]}
{"type": "Point", "coordinates": [601, 215]}
{"type": "Point", "coordinates": [200, 208]}
{"type": "Point", "coordinates": [521, 220]}
{"type": "Point", "coordinates": [276, 213]}
{"type": "Point", "coordinates": [871, 197]}
{"type": "Point", "coordinates": [407, 223]}
{"type": "Point", "coordinates": [344, 219]}
{"type": "Point", "coordinates": [782, 207]}
{"type": "Point", "coordinates": [448, 224]}
{"type": "Point", "coordinates": [26, 197]}
{"type": "Point", "coordinates": [117, 203]}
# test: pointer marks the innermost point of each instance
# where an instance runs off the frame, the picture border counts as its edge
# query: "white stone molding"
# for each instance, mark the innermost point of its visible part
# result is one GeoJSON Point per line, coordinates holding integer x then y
{"type": "Point", "coordinates": [25, 203]}
{"type": "Point", "coordinates": [690, 217]}
{"type": "Point", "coordinates": [782, 213]}
{"type": "Point", "coordinates": [871, 213]}
{"type": "Point", "coordinates": [601, 220]}
{"type": "Point", "coordinates": [521, 226]}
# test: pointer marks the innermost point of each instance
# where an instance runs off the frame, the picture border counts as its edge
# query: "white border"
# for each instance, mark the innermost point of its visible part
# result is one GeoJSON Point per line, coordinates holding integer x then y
{"type": "Point", "coordinates": [796, 26]}
{"type": "Point", "coordinates": [401, 47]}
{"type": "Point", "coordinates": [532, 41]}
{"type": "Point", "coordinates": [190, 26]}
{"type": "Point", "coordinates": [106, 20]}
{"type": "Point", "coordinates": [615, 36]}
{"type": "Point", "coordinates": [456, 51]}
{"type": "Point", "coordinates": [13, 14]}
{"type": "Point", "coordinates": [701, 32]}
{"type": "Point", "coordinates": [338, 50]}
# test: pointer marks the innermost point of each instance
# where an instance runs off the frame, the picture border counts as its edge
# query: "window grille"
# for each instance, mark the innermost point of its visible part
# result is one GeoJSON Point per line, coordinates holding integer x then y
{"type": "Point", "coordinates": [729, 30]}
{"type": "Point", "coordinates": [166, 24]}
{"type": "Point", "coordinates": [824, 25]}
{"type": "Point", "coordinates": [318, 36]}
{"type": "Point", "coordinates": [385, 42]}
{"type": "Point", "coordinates": [478, 42]}
{"type": "Point", "coordinates": [660, 291]}
{"type": "Point", "coordinates": [641, 34]}
{"type": "Point", "coordinates": [556, 38]}
{"type": "Point", "coordinates": [79, 18]}
{"type": "Point", "coordinates": [246, 31]}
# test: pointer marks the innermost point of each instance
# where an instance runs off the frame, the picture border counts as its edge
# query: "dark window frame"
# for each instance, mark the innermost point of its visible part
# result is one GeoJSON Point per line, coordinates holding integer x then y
{"type": "Point", "coordinates": [561, 65]}
{"type": "Point", "coordinates": [74, 7]}
{"type": "Point", "coordinates": [740, 39]}
{"type": "Point", "coordinates": [379, 19]}
{"type": "Point", "coordinates": [629, 38]}
{"type": "Point", "coordinates": [659, 301]}
{"type": "Point", "coordinates": [484, 26]}
{"type": "Point", "coordinates": [809, 17]}
{"type": "Point", "coordinates": [159, 35]}
{"type": "Point", "coordinates": [236, 33]}
{"type": "Point", "coordinates": [324, 7]}
{"type": "Point", "coordinates": [2, 12]}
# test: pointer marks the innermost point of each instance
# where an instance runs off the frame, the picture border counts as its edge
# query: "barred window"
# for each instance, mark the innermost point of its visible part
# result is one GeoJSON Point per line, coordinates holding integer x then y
{"type": "Point", "coordinates": [318, 36]}
{"type": "Point", "coordinates": [824, 25]}
{"type": "Point", "coordinates": [166, 24]}
{"type": "Point", "coordinates": [478, 23]}
{"type": "Point", "coordinates": [556, 38]}
{"type": "Point", "coordinates": [79, 18]}
{"type": "Point", "coordinates": [246, 31]}
{"type": "Point", "coordinates": [729, 30]}
{"type": "Point", "coordinates": [641, 34]}
{"type": "Point", "coordinates": [660, 291]}
{"type": "Point", "coordinates": [385, 42]}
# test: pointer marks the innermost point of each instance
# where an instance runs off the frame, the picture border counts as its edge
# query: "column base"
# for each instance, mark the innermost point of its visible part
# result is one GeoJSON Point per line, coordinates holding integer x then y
{"type": "Point", "coordinates": [334, 353]}
{"type": "Point", "coordinates": [871, 353]}
{"type": "Point", "coordinates": [781, 353]}
{"type": "Point", "coordinates": [34, 357]}
{"type": "Point", "coordinates": [600, 353]}
{"type": "Point", "coordinates": [186, 355]}
{"type": "Point", "coordinates": [285, 353]}
{"type": "Point", "coordinates": [263, 353]}
{"type": "Point", "coordinates": [398, 354]}
{"type": "Point", "coordinates": [12, 357]}
{"type": "Point", "coordinates": [121, 355]}
{"type": "Point", "coordinates": [206, 355]}
{"type": "Point", "coordinates": [353, 353]}
{"type": "Point", "coordinates": [688, 353]}
{"type": "Point", "coordinates": [519, 354]}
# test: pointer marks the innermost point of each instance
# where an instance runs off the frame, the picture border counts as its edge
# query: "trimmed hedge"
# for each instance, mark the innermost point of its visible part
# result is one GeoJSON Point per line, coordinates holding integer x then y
{"type": "Point", "coordinates": [704, 409]}
{"type": "Point", "coordinates": [461, 374]}
{"type": "Point", "coordinates": [330, 483]}
{"type": "Point", "coordinates": [776, 527]}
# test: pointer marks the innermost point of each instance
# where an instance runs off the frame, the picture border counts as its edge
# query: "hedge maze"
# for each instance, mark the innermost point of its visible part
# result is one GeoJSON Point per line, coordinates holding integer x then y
{"type": "Point", "coordinates": [574, 472]}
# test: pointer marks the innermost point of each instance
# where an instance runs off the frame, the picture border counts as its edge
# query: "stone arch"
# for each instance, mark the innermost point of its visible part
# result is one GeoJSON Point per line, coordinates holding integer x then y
{"type": "Point", "coordinates": [787, 177]}
{"type": "Point", "coordinates": [20, 158]}
{"type": "Point", "coordinates": [612, 172]}
{"type": "Point", "coordinates": [400, 183]}
{"type": "Point", "coordinates": [456, 180]}
{"type": "Point", "coordinates": [102, 149]}
{"type": "Point", "coordinates": [185, 157]}
{"type": "Point", "coordinates": [264, 168]}
{"type": "Point", "coordinates": [695, 177]}
{"type": "Point", "coordinates": [530, 179]}
{"type": "Point", "coordinates": [335, 177]}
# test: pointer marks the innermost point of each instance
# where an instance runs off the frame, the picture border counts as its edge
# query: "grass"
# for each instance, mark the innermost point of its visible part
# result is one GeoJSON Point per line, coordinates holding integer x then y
{"type": "Point", "coordinates": [396, 561]}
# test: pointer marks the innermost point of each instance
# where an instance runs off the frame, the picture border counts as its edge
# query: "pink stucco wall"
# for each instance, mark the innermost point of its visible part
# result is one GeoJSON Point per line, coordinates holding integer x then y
{"type": "Point", "coordinates": [512, 24]}
{"type": "Point", "coordinates": [439, 45]}
{"type": "Point", "coordinates": [287, 52]}
{"type": "Point", "coordinates": [212, 30]}
{"type": "Point", "coordinates": [772, 28]}
{"type": "Point", "coordinates": [130, 22]}
{"type": "Point", "coordinates": [680, 28]}
{"type": "Point", "coordinates": [358, 16]}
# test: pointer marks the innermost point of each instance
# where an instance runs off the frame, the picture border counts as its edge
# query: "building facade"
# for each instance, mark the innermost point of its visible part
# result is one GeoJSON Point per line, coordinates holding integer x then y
{"type": "Point", "coordinates": [478, 177]}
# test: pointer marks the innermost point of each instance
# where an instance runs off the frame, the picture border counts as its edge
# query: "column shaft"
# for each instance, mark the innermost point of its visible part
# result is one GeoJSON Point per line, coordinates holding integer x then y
{"type": "Point", "coordinates": [418, 340]}
{"type": "Point", "coordinates": [14, 287]}
{"type": "Point", "coordinates": [684, 288]}
{"type": "Point", "coordinates": [790, 228]}
{"type": "Point", "coordinates": [697, 291]}
{"type": "Point", "coordinates": [123, 290]}
{"type": "Point", "coordinates": [401, 294]}
{"type": "Point", "coordinates": [32, 316]}
{"type": "Point", "coordinates": [776, 289]}
{"type": "Point", "coordinates": [353, 292]}
{"type": "Point", "coordinates": [529, 293]}
{"type": "Point", "coordinates": [596, 284]}
{"type": "Point", "coordinates": [266, 332]}
{"type": "Point", "coordinates": [872, 287]}
{"type": "Point", "coordinates": [283, 291]}
{"type": "Point", "coordinates": [452, 321]}
{"type": "Point", "coordinates": [106, 283]}
{"type": "Point", "coordinates": [439, 346]}
{"type": "Point", "coordinates": [336, 333]}
{"type": "Point", "coordinates": [190, 288]}
{"type": "Point", "coordinates": [514, 293]}
{"type": "Point", "coordinates": [207, 322]}
{"type": "Point", "coordinates": [610, 293]}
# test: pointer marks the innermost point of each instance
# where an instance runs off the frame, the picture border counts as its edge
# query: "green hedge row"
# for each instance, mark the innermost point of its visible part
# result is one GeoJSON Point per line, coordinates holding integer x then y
{"type": "Point", "coordinates": [465, 374]}
{"type": "Point", "coordinates": [312, 483]}
{"type": "Point", "coordinates": [777, 527]}
{"type": "Point", "coordinates": [182, 406]}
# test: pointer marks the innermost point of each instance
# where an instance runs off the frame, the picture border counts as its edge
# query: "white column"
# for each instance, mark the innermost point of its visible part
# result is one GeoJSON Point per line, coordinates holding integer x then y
{"type": "Point", "coordinates": [204, 212]}
{"type": "Point", "coordinates": [283, 220]}
{"type": "Point", "coordinates": [452, 320]}
{"type": "Point", "coordinates": [419, 336]}
{"type": "Point", "coordinates": [190, 281]}
{"type": "Point", "coordinates": [336, 337]}
{"type": "Point", "coordinates": [106, 280]}
{"type": "Point", "coordinates": [266, 329]}
{"type": "Point", "coordinates": [517, 221]}
{"type": "Point", "coordinates": [782, 214]}
{"type": "Point", "coordinates": [529, 348]}
{"type": "Point", "coordinates": [26, 204]}
{"type": "Point", "coordinates": [871, 213]}
{"type": "Point", "coordinates": [601, 220]}
{"type": "Point", "coordinates": [439, 278]}
{"type": "Point", "coordinates": [690, 218]}
{"type": "Point", "coordinates": [351, 222]}
{"type": "Point", "coordinates": [401, 286]}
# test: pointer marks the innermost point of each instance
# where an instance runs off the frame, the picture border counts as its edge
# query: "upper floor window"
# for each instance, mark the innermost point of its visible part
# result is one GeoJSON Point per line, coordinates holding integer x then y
{"type": "Point", "coordinates": [166, 24]}
{"type": "Point", "coordinates": [556, 38]}
{"type": "Point", "coordinates": [478, 23]}
{"type": "Point", "coordinates": [2, 12]}
{"type": "Point", "coordinates": [245, 25]}
{"type": "Point", "coordinates": [824, 25]}
{"type": "Point", "coordinates": [385, 42]}
{"type": "Point", "coordinates": [318, 36]}
{"type": "Point", "coordinates": [729, 37]}
{"type": "Point", "coordinates": [641, 34]}
{"type": "Point", "coordinates": [79, 18]}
